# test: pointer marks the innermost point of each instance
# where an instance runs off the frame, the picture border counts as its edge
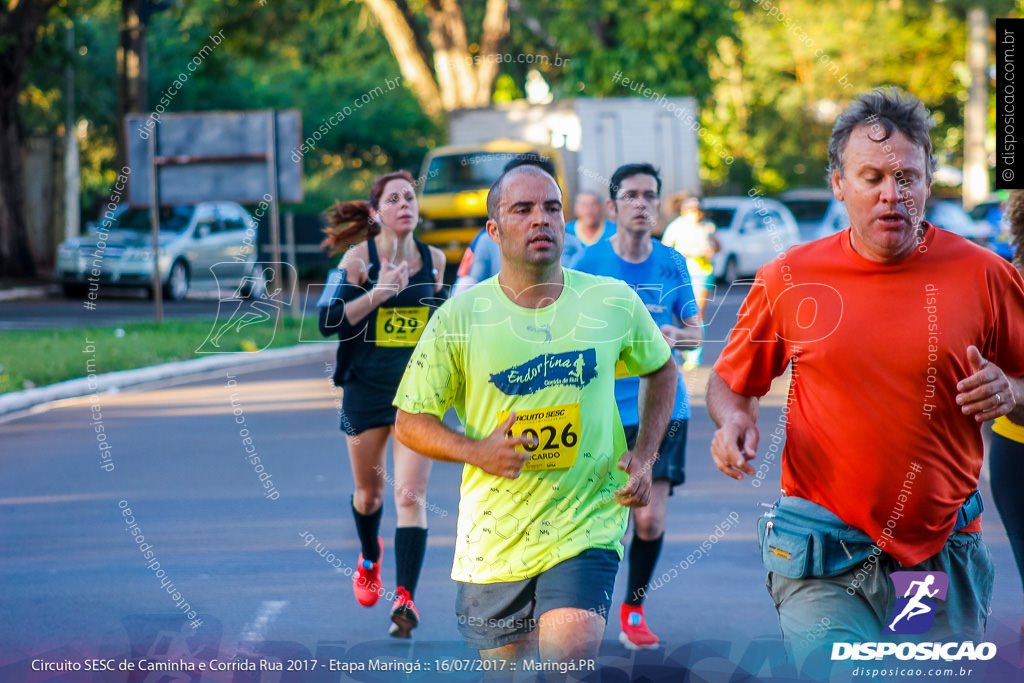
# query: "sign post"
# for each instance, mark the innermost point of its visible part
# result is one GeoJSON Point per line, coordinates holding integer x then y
{"type": "Point", "coordinates": [194, 157]}
{"type": "Point", "coordinates": [154, 226]}
{"type": "Point", "coordinates": [275, 213]}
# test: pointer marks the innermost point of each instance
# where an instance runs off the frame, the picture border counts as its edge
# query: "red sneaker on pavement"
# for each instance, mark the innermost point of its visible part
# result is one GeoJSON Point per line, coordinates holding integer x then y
{"type": "Point", "coordinates": [404, 615]}
{"type": "Point", "coordinates": [635, 634]}
{"type": "Point", "coordinates": [366, 582]}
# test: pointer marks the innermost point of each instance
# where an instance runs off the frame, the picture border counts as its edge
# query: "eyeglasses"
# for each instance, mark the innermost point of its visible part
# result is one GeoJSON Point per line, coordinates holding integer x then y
{"type": "Point", "coordinates": [633, 195]}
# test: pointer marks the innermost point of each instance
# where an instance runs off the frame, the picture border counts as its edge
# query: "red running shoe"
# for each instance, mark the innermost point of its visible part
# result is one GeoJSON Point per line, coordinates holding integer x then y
{"type": "Point", "coordinates": [635, 634]}
{"type": "Point", "coordinates": [404, 615]}
{"type": "Point", "coordinates": [366, 582]}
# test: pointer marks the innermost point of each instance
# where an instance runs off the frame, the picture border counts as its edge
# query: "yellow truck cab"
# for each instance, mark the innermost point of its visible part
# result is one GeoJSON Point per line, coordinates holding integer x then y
{"type": "Point", "coordinates": [453, 201]}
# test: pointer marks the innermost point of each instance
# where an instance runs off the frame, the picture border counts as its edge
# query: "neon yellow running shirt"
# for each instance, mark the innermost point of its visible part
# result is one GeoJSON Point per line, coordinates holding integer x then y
{"type": "Point", "coordinates": [555, 366]}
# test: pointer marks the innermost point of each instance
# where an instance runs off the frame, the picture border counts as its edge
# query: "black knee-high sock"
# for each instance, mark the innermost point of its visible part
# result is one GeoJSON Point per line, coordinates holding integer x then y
{"type": "Point", "coordinates": [367, 527]}
{"type": "Point", "coordinates": [410, 545]}
{"type": "Point", "coordinates": [643, 555]}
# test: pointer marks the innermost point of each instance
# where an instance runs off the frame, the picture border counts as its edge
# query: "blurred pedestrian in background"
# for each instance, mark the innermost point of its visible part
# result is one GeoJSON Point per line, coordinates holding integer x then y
{"type": "Point", "coordinates": [694, 238]}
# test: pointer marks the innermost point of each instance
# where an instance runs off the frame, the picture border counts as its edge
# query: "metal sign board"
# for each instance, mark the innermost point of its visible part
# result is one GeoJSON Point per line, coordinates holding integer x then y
{"type": "Point", "coordinates": [211, 156]}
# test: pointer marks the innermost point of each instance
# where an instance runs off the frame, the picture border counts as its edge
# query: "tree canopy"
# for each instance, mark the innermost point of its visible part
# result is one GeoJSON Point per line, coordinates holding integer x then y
{"type": "Point", "coordinates": [770, 76]}
{"type": "Point", "coordinates": [795, 64]}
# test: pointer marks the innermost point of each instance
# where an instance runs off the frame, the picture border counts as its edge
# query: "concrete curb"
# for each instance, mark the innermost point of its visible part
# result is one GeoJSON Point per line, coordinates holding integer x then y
{"type": "Point", "coordinates": [18, 293]}
{"type": "Point", "coordinates": [24, 400]}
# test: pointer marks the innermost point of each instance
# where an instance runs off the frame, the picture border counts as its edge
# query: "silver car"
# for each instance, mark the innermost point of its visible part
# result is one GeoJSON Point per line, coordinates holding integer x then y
{"type": "Point", "coordinates": [817, 212]}
{"type": "Point", "coordinates": [193, 238]}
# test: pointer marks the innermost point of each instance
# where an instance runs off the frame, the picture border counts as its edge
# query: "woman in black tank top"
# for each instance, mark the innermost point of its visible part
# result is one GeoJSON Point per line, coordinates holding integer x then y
{"type": "Point", "coordinates": [378, 302]}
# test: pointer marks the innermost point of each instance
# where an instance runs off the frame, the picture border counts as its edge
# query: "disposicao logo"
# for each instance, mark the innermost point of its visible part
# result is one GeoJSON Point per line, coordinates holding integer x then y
{"type": "Point", "coordinates": [913, 614]}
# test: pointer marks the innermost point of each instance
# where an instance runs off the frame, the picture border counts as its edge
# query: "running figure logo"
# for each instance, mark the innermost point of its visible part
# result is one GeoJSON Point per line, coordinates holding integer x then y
{"type": "Point", "coordinates": [544, 329]}
{"type": "Point", "coordinates": [577, 369]}
{"type": "Point", "coordinates": [250, 304]}
{"type": "Point", "coordinates": [566, 369]}
{"type": "Point", "coordinates": [914, 612]}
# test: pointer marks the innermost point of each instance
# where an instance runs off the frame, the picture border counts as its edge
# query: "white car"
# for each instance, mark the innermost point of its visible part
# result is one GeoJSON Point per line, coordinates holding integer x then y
{"type": "Point", "coordinates": [950, 215]}
{"type": "Point", "coordinates": [751, 231]}
{"type": "Point", "coordinates": [193, 238]}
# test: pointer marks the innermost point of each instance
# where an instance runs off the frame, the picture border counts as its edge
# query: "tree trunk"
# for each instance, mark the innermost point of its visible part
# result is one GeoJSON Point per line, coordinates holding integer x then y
{"type": "Point", "coordinates": [458, 78]}
{"type": "Point", "coordinates": [15, 255]}
{"type": "Point", "coordinates": [19, 27]}
{"type": "Point", "coordinates": [495, 31]}
{"type": "Point", "coordinates": [412, 61]}
{"type": "Point", "coordinates": [132, 76]}
{"type": "Point", "coordinates": [976, 182]}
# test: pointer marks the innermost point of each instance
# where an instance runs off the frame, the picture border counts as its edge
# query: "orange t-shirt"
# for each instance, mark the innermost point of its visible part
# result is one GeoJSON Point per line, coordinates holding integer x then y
{"type": "Point", "coordinates": [873, 430]}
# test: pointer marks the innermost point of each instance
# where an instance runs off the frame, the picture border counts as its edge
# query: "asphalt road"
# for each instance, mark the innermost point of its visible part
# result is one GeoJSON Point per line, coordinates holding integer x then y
{"type": "Point", "coordinates": [75, 584]}
{"type": "Point", "coordinates": [51, 310]}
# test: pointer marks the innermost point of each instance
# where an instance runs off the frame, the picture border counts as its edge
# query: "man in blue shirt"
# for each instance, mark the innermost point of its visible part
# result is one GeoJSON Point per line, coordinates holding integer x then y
{"type": "Point", "coordinates": [590, 227]}
{"type": "Point", "coordinates": [659, 275]}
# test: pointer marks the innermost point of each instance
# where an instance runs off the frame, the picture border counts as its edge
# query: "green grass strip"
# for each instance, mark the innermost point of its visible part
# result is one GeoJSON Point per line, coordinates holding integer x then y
{"type": "Point", "coordinates": [34, 358]}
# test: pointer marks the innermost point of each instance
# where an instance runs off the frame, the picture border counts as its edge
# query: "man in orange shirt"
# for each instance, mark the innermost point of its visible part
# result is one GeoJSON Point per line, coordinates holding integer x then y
{"type": "Point", "coordinates": [903, 340]}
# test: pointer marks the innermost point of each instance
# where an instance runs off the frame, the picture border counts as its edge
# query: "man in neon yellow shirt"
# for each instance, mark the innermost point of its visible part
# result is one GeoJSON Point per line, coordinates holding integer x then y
{"type": "Point", "coordinates": [527, 359]}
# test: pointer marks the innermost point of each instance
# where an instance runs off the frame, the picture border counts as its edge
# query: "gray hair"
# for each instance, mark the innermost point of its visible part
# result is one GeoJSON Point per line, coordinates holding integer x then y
{"type": "Point", "coordinates": [891, 109]}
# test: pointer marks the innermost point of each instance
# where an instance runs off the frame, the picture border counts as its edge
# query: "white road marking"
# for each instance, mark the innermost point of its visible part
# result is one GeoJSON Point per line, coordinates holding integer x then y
{"type": "Point", "coordinates": [256, 630]}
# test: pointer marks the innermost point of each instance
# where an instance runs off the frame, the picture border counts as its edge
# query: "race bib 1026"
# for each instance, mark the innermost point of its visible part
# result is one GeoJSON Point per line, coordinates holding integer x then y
{"type": "Point", "coordinates": [554, 435]}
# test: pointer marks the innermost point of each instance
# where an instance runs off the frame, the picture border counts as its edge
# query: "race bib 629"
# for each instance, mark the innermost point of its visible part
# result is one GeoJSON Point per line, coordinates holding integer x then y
{"type": "Point", "coordinates": [400, 326]}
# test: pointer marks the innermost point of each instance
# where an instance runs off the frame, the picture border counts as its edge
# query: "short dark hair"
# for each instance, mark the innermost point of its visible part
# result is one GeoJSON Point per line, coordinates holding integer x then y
{"type": "Point", "coordinates": [890, 108]}
{"type": "Point", "coordinates": [494, 194]}
{"type": "Point", "coordinates": [532, 159]}
{"type": "Point", "coordinates": [628, 171]}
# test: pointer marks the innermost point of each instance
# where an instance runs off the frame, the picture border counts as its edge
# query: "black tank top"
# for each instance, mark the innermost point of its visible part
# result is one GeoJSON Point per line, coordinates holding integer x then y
{"type": "Point", "coordinates": [392, 329]}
